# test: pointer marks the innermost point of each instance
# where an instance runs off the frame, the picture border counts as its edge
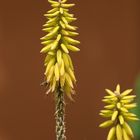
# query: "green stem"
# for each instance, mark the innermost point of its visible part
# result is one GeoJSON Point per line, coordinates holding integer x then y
{"type": "Point", "coordinates": [60, 115]}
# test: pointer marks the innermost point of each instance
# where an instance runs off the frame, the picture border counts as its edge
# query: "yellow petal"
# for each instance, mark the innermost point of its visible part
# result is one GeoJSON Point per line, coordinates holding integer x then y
{"type": "Point", "coordinates": [110, 92]}
{"type": "Point", "coordinates": [118, 89]}
{"type": "Point", "coordinates": [126, 92]}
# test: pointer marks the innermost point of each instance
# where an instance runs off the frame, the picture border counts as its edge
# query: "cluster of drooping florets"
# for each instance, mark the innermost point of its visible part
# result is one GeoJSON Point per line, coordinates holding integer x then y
{"type": "Point", "coordinates": [57, 44]}
{"type": "Point", "coordinates": [118, 112]}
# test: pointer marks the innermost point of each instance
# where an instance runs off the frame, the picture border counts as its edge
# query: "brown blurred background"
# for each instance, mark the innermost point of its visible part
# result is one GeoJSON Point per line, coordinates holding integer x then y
{"type": "Point", "coordinates": [110, 54]}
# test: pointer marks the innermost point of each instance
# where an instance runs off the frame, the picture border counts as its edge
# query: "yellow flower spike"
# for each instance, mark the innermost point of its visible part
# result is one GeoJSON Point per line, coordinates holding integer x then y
{"type": "Point", "coordinates": [117, 110]}
{"type": "Point", "coordinates": [58, 39]}
{"type": "Point", "coordinates": [58, 42]}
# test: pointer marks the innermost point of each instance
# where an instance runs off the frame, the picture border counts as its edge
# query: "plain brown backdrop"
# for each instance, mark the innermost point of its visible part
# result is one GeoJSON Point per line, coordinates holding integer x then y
{"type": "Point", "coordinates": [110, 54]}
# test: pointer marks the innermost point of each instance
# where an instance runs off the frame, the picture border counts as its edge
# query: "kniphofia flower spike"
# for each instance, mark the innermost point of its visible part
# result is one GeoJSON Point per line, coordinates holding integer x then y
{"type": "Point", "coordinates": [117, 110]}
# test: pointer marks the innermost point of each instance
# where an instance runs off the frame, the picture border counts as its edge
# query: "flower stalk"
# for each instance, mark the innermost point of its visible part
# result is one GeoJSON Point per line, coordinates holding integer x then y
{"type": "Point", "coordinates": [60, 115]}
